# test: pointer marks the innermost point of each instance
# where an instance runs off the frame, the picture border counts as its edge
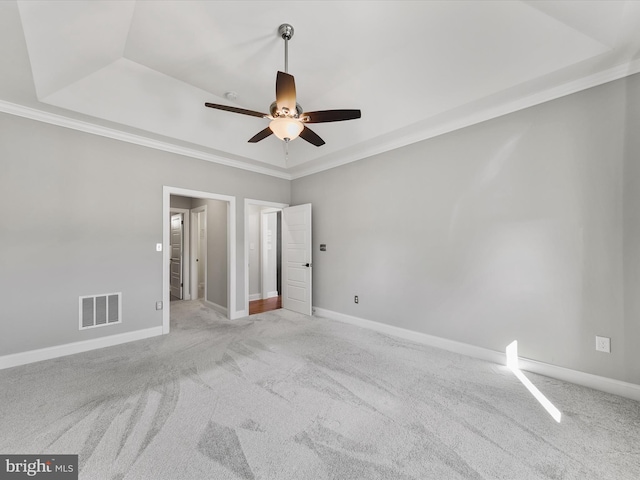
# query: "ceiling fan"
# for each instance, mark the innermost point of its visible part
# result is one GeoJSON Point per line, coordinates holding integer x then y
{"type": "Point", "coordinates": [287, 117]}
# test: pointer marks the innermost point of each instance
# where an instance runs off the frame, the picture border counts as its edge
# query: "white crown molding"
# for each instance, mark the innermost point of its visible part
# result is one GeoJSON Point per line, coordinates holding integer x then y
{"type": "Point", "coordinates": [82, 126]}
{"type": "Point", "coordinates": [599, 78]}
{"type": "Point", "coordinates": [23, 358]}
{"type": "Point", "coordinates": [604, 384]}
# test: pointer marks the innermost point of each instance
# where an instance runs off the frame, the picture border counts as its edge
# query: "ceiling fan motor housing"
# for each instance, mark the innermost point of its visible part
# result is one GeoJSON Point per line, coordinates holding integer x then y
{"type": "Point", "coordinates": [273, 110]}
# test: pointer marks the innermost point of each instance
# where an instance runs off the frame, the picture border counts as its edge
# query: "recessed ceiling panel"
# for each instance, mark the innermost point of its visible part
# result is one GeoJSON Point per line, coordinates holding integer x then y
{"type": "Point", "coordinates": [68, 40]}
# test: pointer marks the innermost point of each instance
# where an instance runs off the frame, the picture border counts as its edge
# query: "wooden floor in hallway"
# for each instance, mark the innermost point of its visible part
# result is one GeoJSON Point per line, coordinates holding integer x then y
{"type": "Point", "coordinates": [265, 305]}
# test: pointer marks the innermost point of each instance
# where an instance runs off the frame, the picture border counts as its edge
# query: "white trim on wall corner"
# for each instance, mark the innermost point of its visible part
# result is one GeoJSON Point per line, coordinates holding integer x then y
{"type": "Point", "coordinates": [609, 385]}
{"type": "Point", "coordinates": [23, 358]}
{"type": "Point", "coordinates": [218, 308]}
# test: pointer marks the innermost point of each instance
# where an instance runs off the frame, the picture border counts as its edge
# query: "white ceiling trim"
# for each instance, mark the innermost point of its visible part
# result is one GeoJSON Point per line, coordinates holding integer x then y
{"type": "Point", "coordinates": [74, 124]}
{"type": "Point", "coordinates": [600, 78]}
{"type": "Point", "coordinates": [569, 88]}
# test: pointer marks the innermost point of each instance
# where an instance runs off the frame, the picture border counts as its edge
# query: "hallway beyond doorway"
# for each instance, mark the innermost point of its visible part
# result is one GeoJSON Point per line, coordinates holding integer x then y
{"type": "Point", "coordinates": [265, 305]}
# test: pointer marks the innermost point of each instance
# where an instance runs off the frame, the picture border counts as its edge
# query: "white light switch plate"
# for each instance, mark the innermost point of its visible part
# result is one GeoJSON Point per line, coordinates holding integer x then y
{"type": "Point", "coordinates": [158, 247]}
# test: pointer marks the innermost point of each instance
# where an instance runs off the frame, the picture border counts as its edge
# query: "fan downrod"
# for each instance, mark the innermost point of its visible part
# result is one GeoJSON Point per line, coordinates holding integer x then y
{"type": "Point", "coordinates": [286, 32]}
{"type": "Point", "coordinates": [287, 118]}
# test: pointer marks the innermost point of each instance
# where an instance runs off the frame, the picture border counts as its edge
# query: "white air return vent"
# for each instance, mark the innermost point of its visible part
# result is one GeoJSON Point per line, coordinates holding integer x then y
{"type": "Point", "coordinates": [100, 310]}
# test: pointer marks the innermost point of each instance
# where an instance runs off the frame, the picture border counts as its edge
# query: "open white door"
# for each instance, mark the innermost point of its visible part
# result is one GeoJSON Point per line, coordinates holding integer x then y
{"type": "Point", "coordinates": [296, 258]}
{"type": "Point", "coordinates": [176, 255]}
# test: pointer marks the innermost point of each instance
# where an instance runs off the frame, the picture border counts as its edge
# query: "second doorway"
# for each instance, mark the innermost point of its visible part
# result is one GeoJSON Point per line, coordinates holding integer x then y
{"type": "Point", "coordinates": [265, 258]}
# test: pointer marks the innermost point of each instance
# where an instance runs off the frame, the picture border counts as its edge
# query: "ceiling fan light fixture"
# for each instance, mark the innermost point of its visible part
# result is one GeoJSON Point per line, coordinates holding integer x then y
{"type": "Point", "coordinates": [286, 128]}
{"type": "Point", "coordinates": [287, 116]}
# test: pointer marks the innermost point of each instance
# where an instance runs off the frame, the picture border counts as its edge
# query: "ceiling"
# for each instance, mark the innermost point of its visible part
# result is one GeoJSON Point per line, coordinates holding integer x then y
{"type": "Point", "coordinates": [142, 70]}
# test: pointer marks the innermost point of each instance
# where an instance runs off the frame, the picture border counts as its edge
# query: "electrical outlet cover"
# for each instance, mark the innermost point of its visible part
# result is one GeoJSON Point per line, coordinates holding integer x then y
{"type": "Point", "coordinates": [603, 344]}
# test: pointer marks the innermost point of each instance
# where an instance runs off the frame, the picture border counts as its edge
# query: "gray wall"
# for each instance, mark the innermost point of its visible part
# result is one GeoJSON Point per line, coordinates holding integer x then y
{"type": "Point", "coordinates": [177, 201]}
{"type": "Point", "coordinates": [523, 227]}
{"type": "Point", "coordinates": [631, 224]}
{"type": "Point", "coordinates": [87, 223]}
{"type": "Point", "coordinates": [217, 256]}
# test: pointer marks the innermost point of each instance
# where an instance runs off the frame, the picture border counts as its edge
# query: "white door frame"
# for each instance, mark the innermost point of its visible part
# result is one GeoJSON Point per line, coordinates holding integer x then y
{"type": "Point", "coordinates": [186, 291]}
{"type": "Point", "coordinates": [167, 191]}
{"type": "Point", "coordinates": [194, 248]}
{"type": "Point", "coordinates": [260, 203]}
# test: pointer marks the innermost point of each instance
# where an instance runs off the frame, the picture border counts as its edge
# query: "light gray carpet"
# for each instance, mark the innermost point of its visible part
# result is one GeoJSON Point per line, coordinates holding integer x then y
{"type": "Point", "coordinates": [283, 396]}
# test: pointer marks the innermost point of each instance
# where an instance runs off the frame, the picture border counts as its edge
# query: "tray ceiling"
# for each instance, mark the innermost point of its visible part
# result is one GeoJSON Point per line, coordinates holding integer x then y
{"type": "Point", "coordinates": [415, 69]}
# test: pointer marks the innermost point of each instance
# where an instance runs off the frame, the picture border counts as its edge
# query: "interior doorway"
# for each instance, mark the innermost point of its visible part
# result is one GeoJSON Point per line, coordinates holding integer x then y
{"type": "Point", "coordinates": [296, 259]}
{"type": "Point", "coordinates": [198, 268]}
{"type": "Point", "coordinates": [215, 229]}
{"type": "Point", "coordinates": [263, 255]}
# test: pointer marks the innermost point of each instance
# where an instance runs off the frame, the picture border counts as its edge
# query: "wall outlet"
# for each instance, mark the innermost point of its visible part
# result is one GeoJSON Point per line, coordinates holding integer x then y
{"type": "Point", "coordinates": [603, 344]}
{"type": "Point", "coordinates": [355, 299]}
{"type": "Point", "coordinates": [158, 305]}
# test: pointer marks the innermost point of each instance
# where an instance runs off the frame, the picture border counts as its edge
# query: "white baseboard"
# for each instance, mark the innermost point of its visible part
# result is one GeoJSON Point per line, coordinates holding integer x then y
{"type": "Point", "coordinates": [215, 306]}
{"type": "Point", "coordinates": [23, 358]}
{"type": "Point", "coordinates": [605, 384]}
{"type": "Point", "coordinates": [239, 314]}
{"type": "Point", "coordinates": [258, 296]}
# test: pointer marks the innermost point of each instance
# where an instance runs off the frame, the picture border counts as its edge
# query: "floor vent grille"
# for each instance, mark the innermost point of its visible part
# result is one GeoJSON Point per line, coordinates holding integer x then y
{"type": "Point", "coordinates": [100, 310]}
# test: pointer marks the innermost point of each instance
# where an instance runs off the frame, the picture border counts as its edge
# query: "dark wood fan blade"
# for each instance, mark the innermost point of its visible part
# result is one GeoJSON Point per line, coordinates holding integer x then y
{"type": "Point", "coordinates": [324, 116]}
{"type": "Point", "coordinates": [236, 110]}
{"type": "Point", "coordinates": [261, 135]}
{"type": "Point", "coordinates": [311, 137]}
{"type": "Point", "coordinates": [285, 92]}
